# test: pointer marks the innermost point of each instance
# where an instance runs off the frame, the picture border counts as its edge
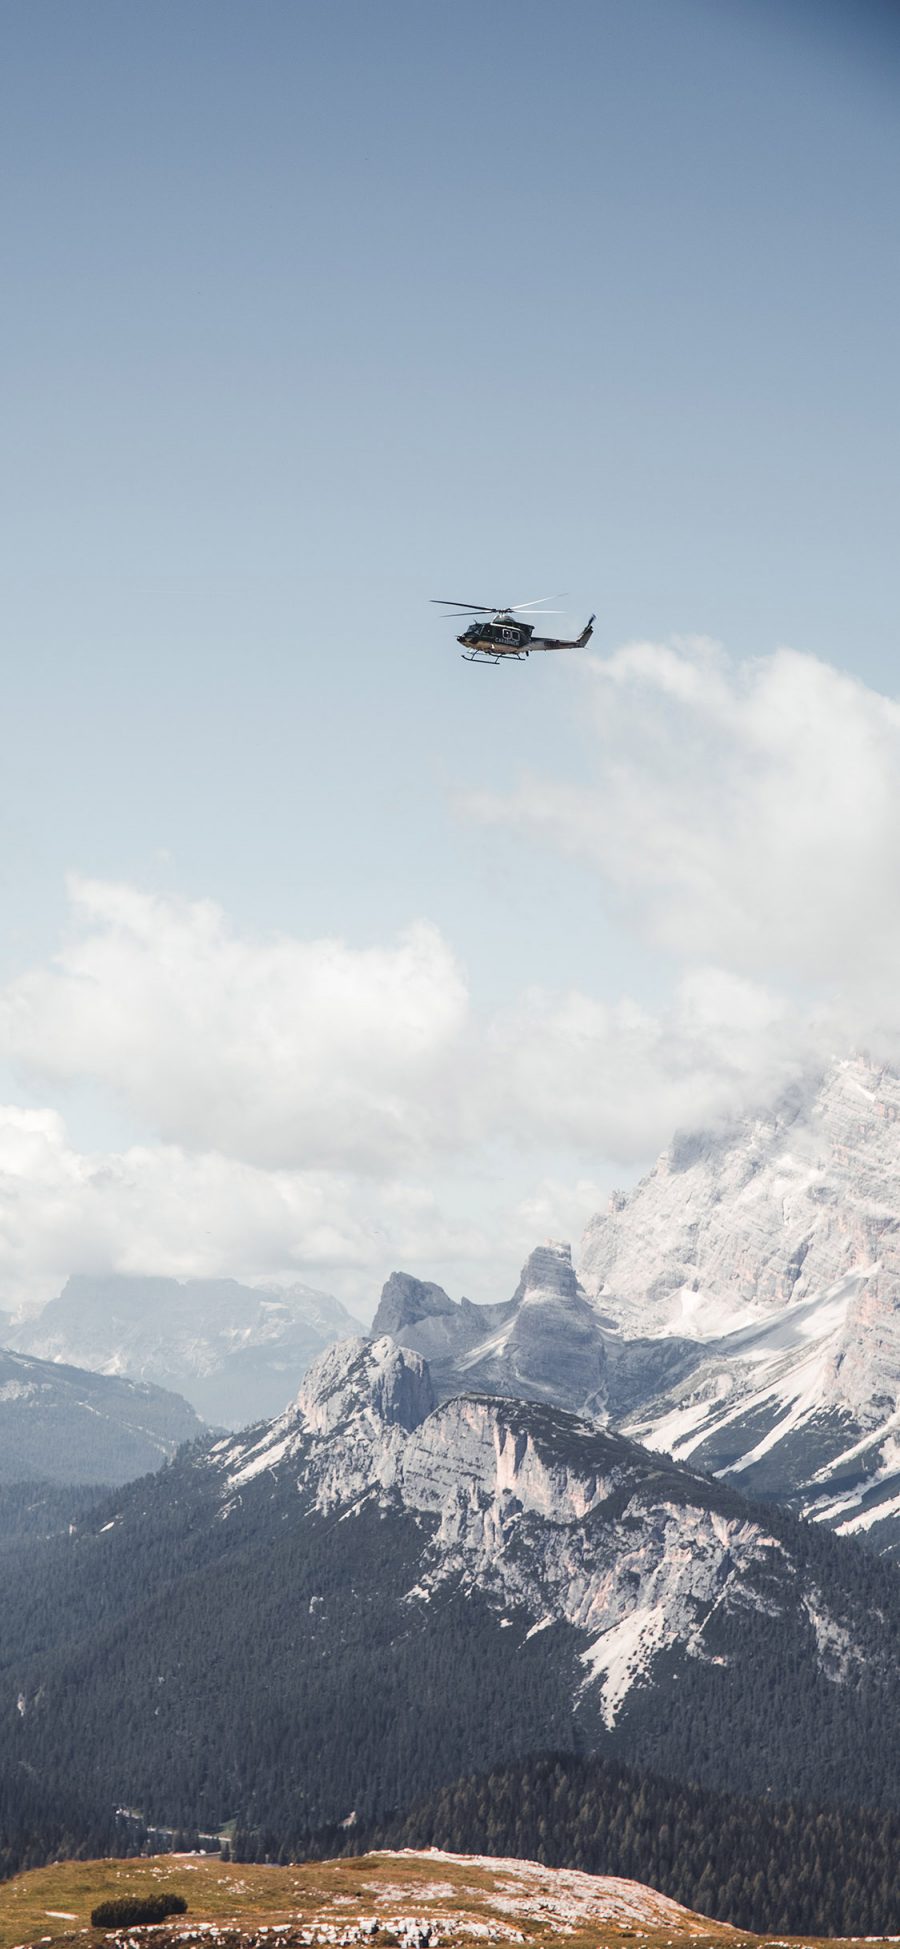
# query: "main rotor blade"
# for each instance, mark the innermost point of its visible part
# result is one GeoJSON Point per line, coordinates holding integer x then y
{"type": "Point", "coordinates": [471, 608]}
{"type": "Point", "coordinates": [539, 599]}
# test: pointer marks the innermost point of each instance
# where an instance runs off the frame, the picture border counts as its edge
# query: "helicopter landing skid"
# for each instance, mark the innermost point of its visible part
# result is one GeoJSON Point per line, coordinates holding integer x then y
{"type": "Point", "coordinates": [481, 656]}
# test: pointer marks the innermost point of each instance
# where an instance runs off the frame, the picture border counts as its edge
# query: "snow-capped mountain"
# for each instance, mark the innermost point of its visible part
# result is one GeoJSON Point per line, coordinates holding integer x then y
{"type": "Point", "coordinates": [776, 1248]}
{"type": "Point", "coordinates": [728, 1229]}
{"type": "Point", "coordinates": [62, 1424]}
{"type": "Point", "coordinates": [740, 1308]}
{"type": "Point", "coordinates": [236, 1352]}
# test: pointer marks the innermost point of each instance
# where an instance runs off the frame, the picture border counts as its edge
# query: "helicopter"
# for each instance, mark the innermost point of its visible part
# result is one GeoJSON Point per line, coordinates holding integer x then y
{"type": "Point", "coordinates": [502, 634]}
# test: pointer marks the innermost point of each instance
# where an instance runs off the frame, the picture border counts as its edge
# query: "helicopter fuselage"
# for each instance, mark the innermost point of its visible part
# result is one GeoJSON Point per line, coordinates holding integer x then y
{"type": "Point", "coordinates": [497, 638]}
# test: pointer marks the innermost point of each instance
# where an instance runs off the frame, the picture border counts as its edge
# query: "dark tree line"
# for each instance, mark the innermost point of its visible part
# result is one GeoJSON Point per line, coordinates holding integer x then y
{"type": "Point", "coordinates": [758, 1864]}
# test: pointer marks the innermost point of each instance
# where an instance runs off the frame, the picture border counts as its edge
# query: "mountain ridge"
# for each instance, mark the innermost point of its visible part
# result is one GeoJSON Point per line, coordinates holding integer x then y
{"type": "Point", "coordinates": [65, 1424]}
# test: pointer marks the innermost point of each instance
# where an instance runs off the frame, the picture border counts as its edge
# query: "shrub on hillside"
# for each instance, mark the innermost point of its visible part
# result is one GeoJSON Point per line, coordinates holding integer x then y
{"type": "Point", "coordinates": [126, 1910]}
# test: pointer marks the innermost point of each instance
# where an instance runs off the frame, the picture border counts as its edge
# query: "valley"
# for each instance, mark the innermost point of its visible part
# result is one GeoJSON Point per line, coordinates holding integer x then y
{"type": "Point", "coordinates": [68, 1425]}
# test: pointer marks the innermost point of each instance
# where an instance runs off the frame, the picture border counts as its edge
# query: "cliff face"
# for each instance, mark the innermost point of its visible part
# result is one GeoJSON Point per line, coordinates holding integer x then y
{"type": "Point", "coordinates": [541, 1511]}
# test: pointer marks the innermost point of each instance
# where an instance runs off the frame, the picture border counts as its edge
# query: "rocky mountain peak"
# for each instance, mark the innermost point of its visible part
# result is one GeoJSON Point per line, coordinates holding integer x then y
{"type": "Point", "coordinates": [548, 1270]}
{"type": "Point", "coordinates": [545, 1515]}
{"type": "Point", "coordinates": [358, 1405]}
{"type": "Point", "coordinates": [373, 1379]}
{"type": "Point", "coordinates": [546, 1343]}
{"type": "Point", "coordinates": [728, 1227]}
{"type": "Point", "coordinates": [405, 1300]}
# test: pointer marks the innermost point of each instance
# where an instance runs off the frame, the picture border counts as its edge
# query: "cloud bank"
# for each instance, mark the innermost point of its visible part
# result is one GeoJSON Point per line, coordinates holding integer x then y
{"type": "Point", "coordinates": [162, 1208]}
{"type": "Point", "coordinates": [746, 816]}
{"type": "Point", "coordinates": [281, 1052]}
{"type": "Point", "coordinates": [328, 1110]}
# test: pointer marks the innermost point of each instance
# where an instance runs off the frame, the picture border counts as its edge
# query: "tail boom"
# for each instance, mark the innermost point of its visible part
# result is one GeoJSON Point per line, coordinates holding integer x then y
{"type": "Point", "coordinates": [564, 643]}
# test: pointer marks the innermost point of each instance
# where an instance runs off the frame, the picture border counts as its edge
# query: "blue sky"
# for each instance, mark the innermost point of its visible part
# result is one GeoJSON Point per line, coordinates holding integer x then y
{"type": "Point", "coordinates": [313, 312]}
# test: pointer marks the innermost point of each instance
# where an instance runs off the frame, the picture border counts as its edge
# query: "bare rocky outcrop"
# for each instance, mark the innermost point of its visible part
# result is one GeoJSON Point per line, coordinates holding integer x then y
{"type": "Point", "coordinates": [546, 1343]}
{"type": "Point", "coordinates": [537, 1509]}
{"type": "Point", "coordinates": [406, 1301]}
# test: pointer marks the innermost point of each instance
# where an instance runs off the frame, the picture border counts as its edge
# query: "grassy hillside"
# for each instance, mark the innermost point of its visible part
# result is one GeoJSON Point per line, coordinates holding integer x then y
{"type": "Point", "coordinates": [462, 1900]}
{"type": "Point", "coordinates": [53, 1905]}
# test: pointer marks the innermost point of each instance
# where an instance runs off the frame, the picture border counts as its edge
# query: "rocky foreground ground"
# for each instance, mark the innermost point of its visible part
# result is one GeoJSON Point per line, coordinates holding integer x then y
{"type": "Point", "coordinates": [392, 1901]}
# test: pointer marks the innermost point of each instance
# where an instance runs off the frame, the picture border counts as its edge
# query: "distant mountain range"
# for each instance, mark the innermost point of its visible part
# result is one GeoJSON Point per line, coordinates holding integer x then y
{"type": "Point", "coordinates": [61, 1424]}
{"type": "Point", "coordinates": [740, 1309]}
{"type": "Point", "coordinates": [236, 1352]}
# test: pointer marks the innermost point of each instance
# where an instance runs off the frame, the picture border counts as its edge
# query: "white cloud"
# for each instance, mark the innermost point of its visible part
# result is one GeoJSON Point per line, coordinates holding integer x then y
{"type": "Point", "coordinates": [282, 1052]}
{"type": "Point", "coordinates": [160, 1208]}
{"type": "Point", "coordinates": [746, 816]}
{"type": "Point", "coordinates": [329, 1113]}
{"type": "Point", "coordinates": [612, 1081]}
{"type": "Point", "coordinates": [312, 1057]}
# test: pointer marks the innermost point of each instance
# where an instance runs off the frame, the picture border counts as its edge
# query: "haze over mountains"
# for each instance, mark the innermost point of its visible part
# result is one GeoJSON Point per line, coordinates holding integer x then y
{"type": "Point", "coordinates": [740, 1307]}
{"type": "Point", "coordinates": [62, 1424]}
{"type": "Point", "coordinates": [236, 1352]}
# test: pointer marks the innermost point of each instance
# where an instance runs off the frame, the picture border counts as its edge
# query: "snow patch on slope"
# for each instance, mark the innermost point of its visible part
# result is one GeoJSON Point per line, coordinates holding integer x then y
{"type": "Point", "coordinates": [624, 1653]}
{"type": "Point", "coordinates": [777, 1245]}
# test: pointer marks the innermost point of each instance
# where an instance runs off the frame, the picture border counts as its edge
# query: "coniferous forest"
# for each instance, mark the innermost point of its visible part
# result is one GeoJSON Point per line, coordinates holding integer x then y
{"type": "Point", "coordinates": [760, 1864]}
